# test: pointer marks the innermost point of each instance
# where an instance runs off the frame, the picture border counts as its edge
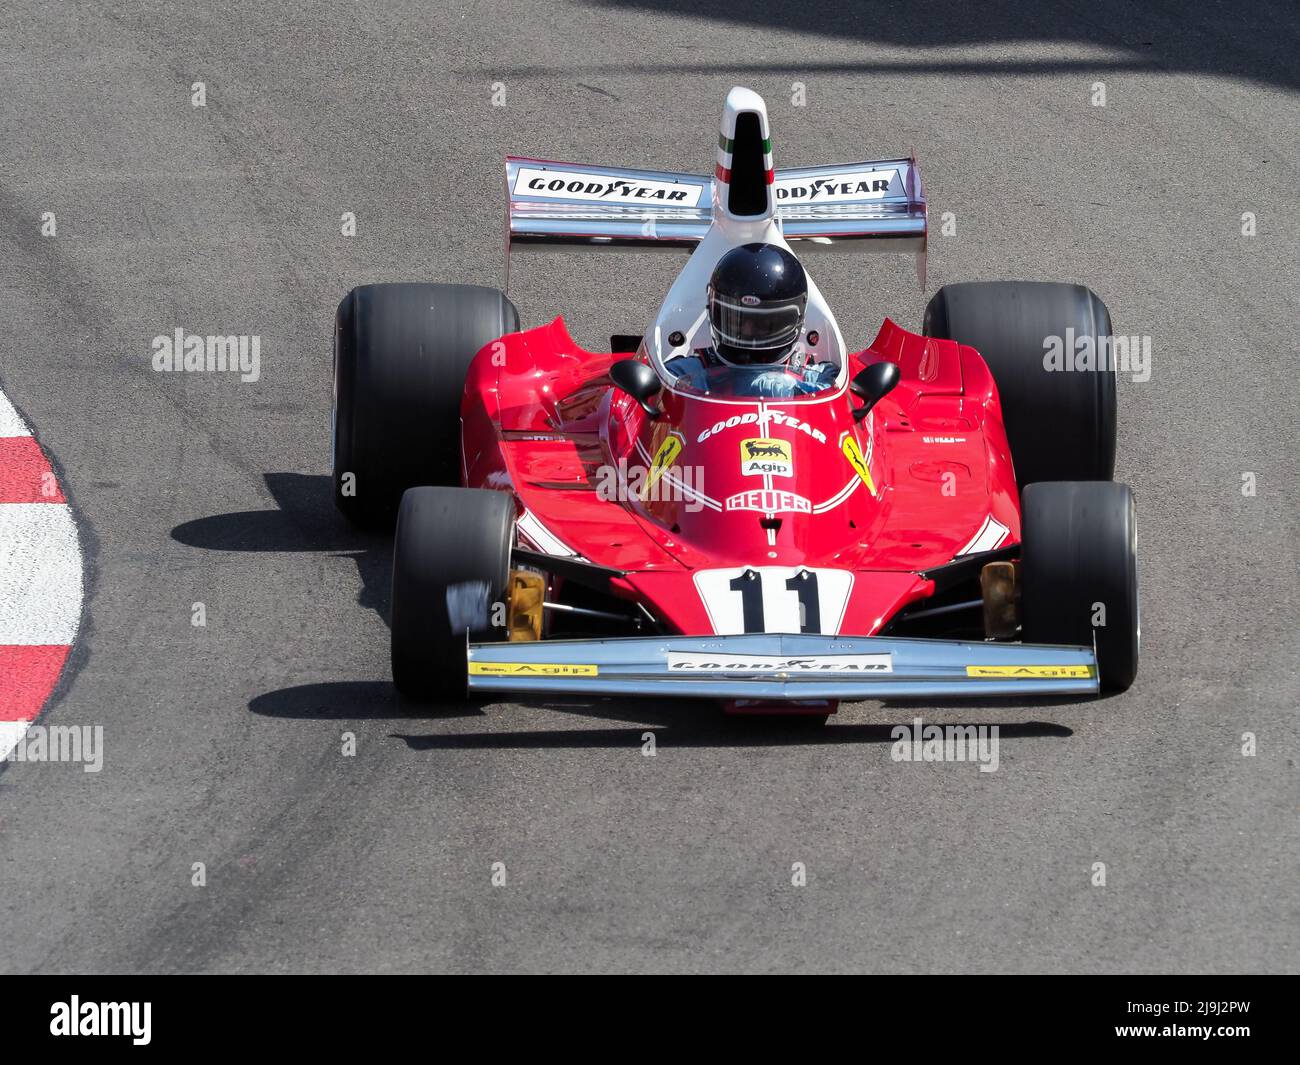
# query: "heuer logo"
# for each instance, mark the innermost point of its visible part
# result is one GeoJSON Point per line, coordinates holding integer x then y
{"type": "Point", "coordinates": [759, 456]}
{"type": "Point", "coordinates": [867, 185]}
{"type": "Point", "coordinates": [568, 185]}
{"type": "Point", "coordinates": [944, 439]}
{"type": "Point", "coordinates": [769, 501]}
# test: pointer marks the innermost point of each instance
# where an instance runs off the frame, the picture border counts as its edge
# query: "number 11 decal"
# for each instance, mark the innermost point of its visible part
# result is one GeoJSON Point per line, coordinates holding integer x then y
{"type": "Point", "coordinates": [804, 584]}
{"type": "Point", "coordinates": [750, 587]}
{"type": "Point", "coordinates": [775, 599]}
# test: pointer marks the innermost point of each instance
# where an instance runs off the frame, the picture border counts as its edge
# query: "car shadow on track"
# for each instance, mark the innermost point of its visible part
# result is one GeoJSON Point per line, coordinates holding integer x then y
{"type": "Point", "coordinates": [1010, 38]}
{"type": "Point", "coordinates": [305, 520]}
{"type": "Point", "coordinates": [352, 700]}
{"type": "Point", "coordinates": [723, 732]}
{"type": "Point", "coordinates": [682, 724]}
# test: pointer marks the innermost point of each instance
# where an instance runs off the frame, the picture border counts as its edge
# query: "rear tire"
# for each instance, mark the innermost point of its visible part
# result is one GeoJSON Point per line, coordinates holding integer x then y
{"type": "Point", "coordinates": [451, 562]}
{"type": "Point", "coordinates": [1078, 555]}
{"type": "Point", "coordinates": [1060, 423]}
{"type": "Point", "coordinates": [401, 352]}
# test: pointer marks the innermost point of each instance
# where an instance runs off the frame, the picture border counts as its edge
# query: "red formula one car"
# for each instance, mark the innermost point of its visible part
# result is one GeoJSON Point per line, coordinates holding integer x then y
{"type": "Point", "coordinates": [734, 505]}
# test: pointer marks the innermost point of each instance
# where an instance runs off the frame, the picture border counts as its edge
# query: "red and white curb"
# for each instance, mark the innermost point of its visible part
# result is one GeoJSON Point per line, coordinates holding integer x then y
{"type": "Point", "coordinates": [40, 578]}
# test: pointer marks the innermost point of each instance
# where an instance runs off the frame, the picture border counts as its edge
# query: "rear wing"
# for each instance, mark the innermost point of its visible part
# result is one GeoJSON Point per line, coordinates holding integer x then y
{"type": "Point", "coordinates": [874, 206]}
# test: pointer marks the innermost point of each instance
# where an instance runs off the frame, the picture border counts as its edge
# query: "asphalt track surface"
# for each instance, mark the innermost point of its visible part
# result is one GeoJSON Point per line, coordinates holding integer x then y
{"type": "Point", "coordinates": [223, 743]}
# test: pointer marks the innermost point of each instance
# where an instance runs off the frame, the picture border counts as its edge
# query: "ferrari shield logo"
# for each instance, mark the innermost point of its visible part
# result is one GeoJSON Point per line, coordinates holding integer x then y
{"type": "Point", "coordinates": [854, 454]}
{"type": "Point", "coordinates": [663, 459]}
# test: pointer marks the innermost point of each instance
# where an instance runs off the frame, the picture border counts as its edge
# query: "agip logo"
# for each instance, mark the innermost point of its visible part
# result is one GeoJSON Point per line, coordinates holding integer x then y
{"type": "Point", "coordinates": [760, 456]}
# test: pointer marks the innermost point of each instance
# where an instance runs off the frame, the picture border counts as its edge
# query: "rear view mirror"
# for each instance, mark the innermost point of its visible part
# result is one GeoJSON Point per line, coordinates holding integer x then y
{"type": "Point", "coordinates": [639, 381]}
{"type": "Point", "coordinates": [873, 384]}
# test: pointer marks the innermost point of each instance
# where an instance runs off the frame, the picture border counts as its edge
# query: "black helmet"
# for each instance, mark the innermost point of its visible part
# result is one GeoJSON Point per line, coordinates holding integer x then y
{"type": "Point", "coordinates": [757, 296]}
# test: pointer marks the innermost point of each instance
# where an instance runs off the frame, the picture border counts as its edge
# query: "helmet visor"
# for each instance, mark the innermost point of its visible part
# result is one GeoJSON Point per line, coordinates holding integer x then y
{"type": "Point", "coordinates": [754, 325]}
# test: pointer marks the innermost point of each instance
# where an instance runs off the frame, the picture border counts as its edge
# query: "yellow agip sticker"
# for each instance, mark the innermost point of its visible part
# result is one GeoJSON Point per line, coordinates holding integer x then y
{"type": "Point", "coordinates": [531, 669]}
{"type": "Point", "coordinates": [760, 456]}
{"type": "Point", "coordinates": [1032, 672]}
{"type": "Point", "coordinates": [854, 454]}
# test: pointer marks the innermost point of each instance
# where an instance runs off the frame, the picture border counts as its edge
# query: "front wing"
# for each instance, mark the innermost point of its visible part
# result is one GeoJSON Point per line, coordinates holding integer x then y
{"type": "Point", "coordinates": [776, 667]}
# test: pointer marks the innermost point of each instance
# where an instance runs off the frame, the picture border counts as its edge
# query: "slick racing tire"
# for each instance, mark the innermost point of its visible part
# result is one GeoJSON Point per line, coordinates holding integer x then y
{"type": "Point", "coordinates": [1079, 572]}
{"type": "Point", "coordinates": [1058, 405]}
{"type": "Point", "coordinates": [451, 563]}
{"type": "Point", "coordinates": [401, 352]}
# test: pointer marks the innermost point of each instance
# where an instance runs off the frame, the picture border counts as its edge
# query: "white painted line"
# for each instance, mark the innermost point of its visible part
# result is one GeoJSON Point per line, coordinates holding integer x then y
{"type": "Point", "coordinates": [686, 490]}
{"type": "Point", "coordinates": [10, 423]}
{"type": "Point", "coordinates": [10, 733]}
{"type": "Point", "coordinates": [40, 574]}
{"type": "Point", "coordinates": [990, 534]}
{"type": "Point", "coordinates": [545, 540]}
{"type": "Point", "coordinates": [839, 497]}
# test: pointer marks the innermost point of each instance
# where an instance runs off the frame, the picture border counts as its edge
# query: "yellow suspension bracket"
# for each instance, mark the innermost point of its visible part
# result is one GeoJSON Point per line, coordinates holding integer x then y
{"type": "Point", "coordinates": [525, 595]}
{"type": "Point", "coordinates": [1000, 588]}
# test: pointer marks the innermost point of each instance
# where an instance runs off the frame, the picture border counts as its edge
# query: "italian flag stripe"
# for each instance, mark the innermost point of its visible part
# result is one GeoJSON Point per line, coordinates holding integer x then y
{"type": "Point", "coordinates": [728, 145]}
{"type": "Point", "coordinates": [724, 175]}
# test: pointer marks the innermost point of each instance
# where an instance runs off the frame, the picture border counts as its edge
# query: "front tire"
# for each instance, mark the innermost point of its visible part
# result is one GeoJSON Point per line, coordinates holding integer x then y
{"type": "Point", "coordinates": [1079, 572]}
{"type": "Point", "coordinates": [451, 564]}
{"type": "Point", "coordinates": [1060, 422]}
{"type": "Point", "coordinates": [401, 353]}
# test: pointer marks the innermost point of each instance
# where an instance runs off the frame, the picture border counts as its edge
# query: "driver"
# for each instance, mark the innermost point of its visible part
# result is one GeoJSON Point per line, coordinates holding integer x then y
{"type": "Point", "coordinates": [756, 300]}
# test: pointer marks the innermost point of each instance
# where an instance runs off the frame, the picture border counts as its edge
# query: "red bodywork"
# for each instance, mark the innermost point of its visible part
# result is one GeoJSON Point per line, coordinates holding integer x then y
{"type": "Point", "coordinates": [541, 418]}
